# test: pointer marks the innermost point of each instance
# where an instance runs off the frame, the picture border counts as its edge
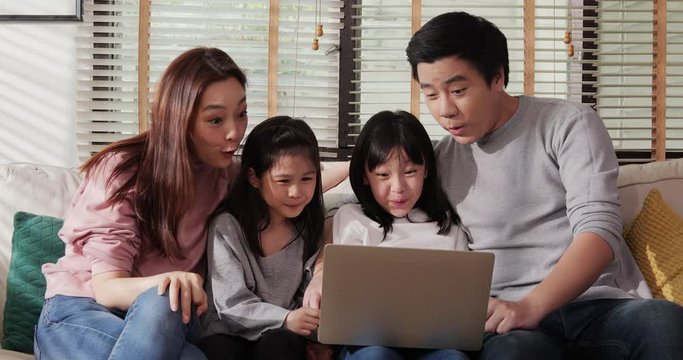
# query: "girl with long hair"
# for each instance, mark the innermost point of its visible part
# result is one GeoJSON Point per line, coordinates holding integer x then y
{"type": "Point", "coordinates": [263, 244]}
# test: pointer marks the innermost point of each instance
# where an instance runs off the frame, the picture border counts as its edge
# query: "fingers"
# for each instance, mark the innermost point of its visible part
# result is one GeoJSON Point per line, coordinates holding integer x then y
{"type": "Point", "coordinates": [497, 311]}
{"type": "Point", "coordinates": [303, 320]}
{"type": "Point", "coordinates": [314, 301]}
{"type": "Point", "coordinates": [173, 289]}
{"type": "Point", "coordinates": [311, 311]}
{"type": "Point", "coordinates": [504, 316]}
{"type": "Point", "coordinates": [307, 298]}
{"type": "Point", "coordinates": [184, 290]}
{"type": "Point", "coordinates": [492, 307]}
{"type": "Point", "coordinates": [492, 322]}
{"type": "Point", "coordinates": [186, 302]}
{"type": "Point", "coordinates": [199, 298]}
{"type": "Point", "coordinates": [161, 289]}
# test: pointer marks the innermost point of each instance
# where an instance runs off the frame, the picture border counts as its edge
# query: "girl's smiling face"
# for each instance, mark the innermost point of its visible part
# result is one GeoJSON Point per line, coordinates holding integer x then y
{"type": "Point", "coordinates": [288, 186]}
{"type": "Point", "coordinates": [397, 183]}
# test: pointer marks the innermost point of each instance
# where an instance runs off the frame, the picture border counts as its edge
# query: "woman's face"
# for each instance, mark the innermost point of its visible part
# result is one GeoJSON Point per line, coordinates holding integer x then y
{"type": "Point", "coordinates": [397, 183]}
{"type": "Point", "coordinates": [220, 124]}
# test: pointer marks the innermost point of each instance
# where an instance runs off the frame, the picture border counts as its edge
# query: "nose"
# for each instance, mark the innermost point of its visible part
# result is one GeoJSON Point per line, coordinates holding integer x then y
{"type": "Point", "coordinates": [294, 191]}
{"type": "Point", "coordinates": [398, 184]}
{"type": "Point", "coordinates": [447, 107]}
{"type": "Point", "coordinates": [230, 131]}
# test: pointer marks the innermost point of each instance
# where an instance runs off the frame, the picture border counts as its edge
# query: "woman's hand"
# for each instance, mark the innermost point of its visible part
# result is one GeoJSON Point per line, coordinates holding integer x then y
{"type": "Point", "coordinates": [303, 320]}
{"type": "Point", "coordinates": [184, 289]}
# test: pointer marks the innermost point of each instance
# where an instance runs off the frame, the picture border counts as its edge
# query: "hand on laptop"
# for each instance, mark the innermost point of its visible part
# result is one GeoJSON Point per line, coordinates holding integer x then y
{"type": "Point", "coordinates": [503, 316]}
{"type": "Point", "coordinates": [303, 320]}
{"type": "Point", "coordinates": [314, 291]}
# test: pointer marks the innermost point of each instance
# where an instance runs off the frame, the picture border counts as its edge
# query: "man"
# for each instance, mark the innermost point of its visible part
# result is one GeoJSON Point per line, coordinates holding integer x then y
{"type": "Point", "coordinates": [534, 181]}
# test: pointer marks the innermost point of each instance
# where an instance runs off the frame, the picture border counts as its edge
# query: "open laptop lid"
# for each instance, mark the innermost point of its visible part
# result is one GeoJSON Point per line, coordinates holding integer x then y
{"type": "Point", "coordinates": [404, 297]}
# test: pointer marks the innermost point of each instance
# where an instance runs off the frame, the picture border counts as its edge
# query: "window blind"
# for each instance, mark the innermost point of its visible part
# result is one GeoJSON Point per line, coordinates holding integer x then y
{"type": "Point", "coordinates": [306, 80]}
{"type": "Point", "coordinates": [674, 80]}
{"type": "Point", "coordinates": [624, 89]}
{"type": "Point", "coordinates": [612, 67]}
{"type": "Point", "coordinates": [107, 55]}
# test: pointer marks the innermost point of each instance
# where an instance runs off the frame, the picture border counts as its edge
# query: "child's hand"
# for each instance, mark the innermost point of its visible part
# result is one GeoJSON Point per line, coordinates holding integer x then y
{"type": "Point", "coordinates": [186, 288]}
{"type": "Point", "coordinates": [314, 291]}
{"type": "Point", "coordinates": [303, 320]}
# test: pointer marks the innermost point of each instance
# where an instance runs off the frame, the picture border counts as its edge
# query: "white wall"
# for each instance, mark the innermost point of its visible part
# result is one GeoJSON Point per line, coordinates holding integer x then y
{"type": "Point", "coordinates": [38, 92]}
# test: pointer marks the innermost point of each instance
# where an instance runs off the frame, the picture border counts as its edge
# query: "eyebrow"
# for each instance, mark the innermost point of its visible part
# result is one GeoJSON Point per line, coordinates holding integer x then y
{"type": "Point", "coordinates": [279, 175]}
{"type": "Point", "coordinates": [452, 79]}
{"type": "Point", "coordinates": [216, 106]}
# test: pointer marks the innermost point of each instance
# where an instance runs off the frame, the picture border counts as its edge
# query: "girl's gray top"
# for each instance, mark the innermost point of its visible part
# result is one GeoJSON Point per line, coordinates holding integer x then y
{"type": "Point", "coordinates": [250, 294]}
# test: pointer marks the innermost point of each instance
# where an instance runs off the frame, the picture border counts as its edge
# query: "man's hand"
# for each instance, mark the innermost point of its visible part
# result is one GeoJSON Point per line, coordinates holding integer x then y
{"type": "Point", "coordinates": [314, 291]}
{"type": "Point", "coordinates": [504, 316]}
{"type": "Point", "coordinates": [185, 288]}
{"type": "Point", "coordinates": [303, 320]}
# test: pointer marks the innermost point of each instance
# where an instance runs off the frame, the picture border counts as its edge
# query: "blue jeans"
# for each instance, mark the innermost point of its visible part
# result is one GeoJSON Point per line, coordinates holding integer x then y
{"type": "Point", "coordinates": [597, 329]}
{"type": "Point", "coordinates": [79, 328]}
{"type": "Point", "coordinates": [390, 353]}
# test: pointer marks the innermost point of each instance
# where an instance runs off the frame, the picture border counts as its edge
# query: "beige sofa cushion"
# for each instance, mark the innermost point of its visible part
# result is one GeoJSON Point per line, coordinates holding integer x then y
{"type": "Point", "coordinates": [38, 189]}
{"type": "Point", "coordinates": [636, 181]}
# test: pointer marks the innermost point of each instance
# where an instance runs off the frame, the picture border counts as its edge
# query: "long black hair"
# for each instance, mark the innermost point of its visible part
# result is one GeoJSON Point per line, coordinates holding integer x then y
{"type": "Point", "coordinates": [385, 132]}
{"type": "Point", "coordinates": [267, 142]}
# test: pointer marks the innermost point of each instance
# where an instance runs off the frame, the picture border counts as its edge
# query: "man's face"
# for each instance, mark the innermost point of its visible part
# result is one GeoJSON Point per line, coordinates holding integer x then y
{"type": "Point", "coordinates": [459, 98]}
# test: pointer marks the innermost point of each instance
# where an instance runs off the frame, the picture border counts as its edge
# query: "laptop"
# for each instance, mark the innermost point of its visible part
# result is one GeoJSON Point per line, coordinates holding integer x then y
{"type": "Point", "coordinates": [399, 297]}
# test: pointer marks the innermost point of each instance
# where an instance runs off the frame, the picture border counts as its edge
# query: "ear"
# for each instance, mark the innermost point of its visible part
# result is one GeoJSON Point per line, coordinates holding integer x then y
{"type": "Point", "coordinates": [499, 79]}
{"type": "Point", "coordinates": [253, 179]}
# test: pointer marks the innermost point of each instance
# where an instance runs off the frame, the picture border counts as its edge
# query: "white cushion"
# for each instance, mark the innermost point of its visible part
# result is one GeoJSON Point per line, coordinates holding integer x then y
{"type": "Point", "coordinates": [38, 189]}
{"type": "Point", "coordinates": [636, 181]}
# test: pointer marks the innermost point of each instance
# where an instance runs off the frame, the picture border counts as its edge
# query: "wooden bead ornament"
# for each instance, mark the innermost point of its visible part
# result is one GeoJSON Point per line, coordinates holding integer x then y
{"type": "Point", "coordinates": [315, 46]}
{"type": "Point", "coordinates": [319, 30]}
{"type": "Point", "coordinates": [567, 37]}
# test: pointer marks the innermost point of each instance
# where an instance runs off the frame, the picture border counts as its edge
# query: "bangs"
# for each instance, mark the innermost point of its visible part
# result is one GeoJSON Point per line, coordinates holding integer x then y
{"type": "Point", "coordinates": [392, 139]}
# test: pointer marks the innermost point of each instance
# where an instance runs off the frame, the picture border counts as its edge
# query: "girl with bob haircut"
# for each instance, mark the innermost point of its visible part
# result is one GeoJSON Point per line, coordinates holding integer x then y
{"type": "Point", "coordinates": [263, 243]}
{"type": "Point", "coordinates": [130, 285]}
{"type": "Point", "coordinates": [401, 204]}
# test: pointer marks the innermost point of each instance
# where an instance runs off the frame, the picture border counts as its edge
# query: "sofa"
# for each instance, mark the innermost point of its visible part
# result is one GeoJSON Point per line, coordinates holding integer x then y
{"type": "Point", "coordinates": [47, 190]}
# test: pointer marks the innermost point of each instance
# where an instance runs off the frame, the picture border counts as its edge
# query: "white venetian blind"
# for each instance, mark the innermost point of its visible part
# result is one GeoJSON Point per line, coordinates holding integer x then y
{"type": "Point", "coordinates": [611, 67]}
{"type": "Point", "coordinates": [306, 80]}
{"type": "Point", "coordinates": [624, 87]}
{"type": "Point", "coordinates": [107, 56]}
{"type": "Point", "coordinates": [308, 84]}
{"type": "Point", "coordinates": [381, 33]}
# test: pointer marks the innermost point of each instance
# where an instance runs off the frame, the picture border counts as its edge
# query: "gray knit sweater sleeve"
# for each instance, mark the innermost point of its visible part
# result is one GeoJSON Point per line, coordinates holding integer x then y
{"type": "Point", "coordinates": [248, 294]}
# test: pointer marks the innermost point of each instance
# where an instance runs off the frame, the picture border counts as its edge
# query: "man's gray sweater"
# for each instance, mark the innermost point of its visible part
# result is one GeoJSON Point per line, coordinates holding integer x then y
{"type": "Point", "coordinates": [527, 189]}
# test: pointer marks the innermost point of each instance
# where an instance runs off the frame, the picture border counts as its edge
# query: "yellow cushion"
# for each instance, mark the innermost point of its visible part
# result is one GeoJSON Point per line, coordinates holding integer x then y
{"type": "Point", "coordinates": [656, 241]}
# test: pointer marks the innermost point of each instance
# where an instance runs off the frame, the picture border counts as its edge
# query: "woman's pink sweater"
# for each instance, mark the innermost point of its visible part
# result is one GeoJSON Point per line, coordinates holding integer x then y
{"type": "Point", "coordinates": [101, 237]}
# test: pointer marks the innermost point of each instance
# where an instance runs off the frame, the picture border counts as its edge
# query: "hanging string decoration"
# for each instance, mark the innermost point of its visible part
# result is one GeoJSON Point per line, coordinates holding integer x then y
{"type": "Point", "coordinates": [568, 34]}
{"type": "Point", "coordinates": [318, 25]}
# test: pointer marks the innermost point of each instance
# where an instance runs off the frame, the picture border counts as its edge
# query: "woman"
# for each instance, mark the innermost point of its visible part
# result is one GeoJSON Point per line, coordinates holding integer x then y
{"type": "Point", "coordinates": [130, 284]}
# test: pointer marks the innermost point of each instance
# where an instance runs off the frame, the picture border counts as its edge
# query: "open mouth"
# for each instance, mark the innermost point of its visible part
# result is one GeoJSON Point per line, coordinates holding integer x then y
{"type": "Point", "coordinates": [456, 130]}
